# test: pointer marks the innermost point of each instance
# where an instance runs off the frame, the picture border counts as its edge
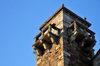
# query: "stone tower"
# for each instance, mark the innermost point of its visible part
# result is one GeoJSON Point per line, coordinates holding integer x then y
{"type": "Point", "coordinates": [64, 40]}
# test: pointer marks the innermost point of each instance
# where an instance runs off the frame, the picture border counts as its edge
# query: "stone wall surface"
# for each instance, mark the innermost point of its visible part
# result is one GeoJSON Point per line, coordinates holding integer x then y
{"type": "Point", "coordinates": [56, 20]}
{"type": "Point", "coordinates": [53, 56]}
{"type": "Point", "coordinates": [73, 54]}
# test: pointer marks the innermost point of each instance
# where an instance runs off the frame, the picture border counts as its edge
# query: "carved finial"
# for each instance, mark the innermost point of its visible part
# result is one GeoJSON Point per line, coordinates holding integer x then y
{"type": "Point", "coordinates": [62, 5]}
{"type": "Point", "coordinates": [85, 18]}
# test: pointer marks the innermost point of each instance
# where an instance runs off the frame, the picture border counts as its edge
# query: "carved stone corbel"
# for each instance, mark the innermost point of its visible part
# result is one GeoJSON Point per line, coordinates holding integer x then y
{"type": "Point", "coordinates": [46, 45]}
{"type": "Point", "coordinates": [39, 52]}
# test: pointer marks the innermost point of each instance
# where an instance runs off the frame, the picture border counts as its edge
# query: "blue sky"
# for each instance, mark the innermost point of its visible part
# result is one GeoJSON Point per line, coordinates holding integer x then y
{"type": "Point", "coordinates": [20, 20]}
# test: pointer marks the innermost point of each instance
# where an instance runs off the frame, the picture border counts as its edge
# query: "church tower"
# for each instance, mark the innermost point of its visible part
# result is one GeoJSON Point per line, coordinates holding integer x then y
{"type": "Point", "coordinates": [64, 40]}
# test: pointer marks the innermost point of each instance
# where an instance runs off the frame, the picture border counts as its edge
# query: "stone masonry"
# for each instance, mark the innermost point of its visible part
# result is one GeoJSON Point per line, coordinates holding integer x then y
{"type": "Point", "coordinates": [65, 40]}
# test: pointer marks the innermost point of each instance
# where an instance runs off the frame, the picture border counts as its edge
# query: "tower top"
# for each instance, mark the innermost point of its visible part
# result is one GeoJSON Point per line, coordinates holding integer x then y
{"type": "Point", "coordinates": [67, 11]}
{"type": "Point", "coordinates": [65, 40]}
